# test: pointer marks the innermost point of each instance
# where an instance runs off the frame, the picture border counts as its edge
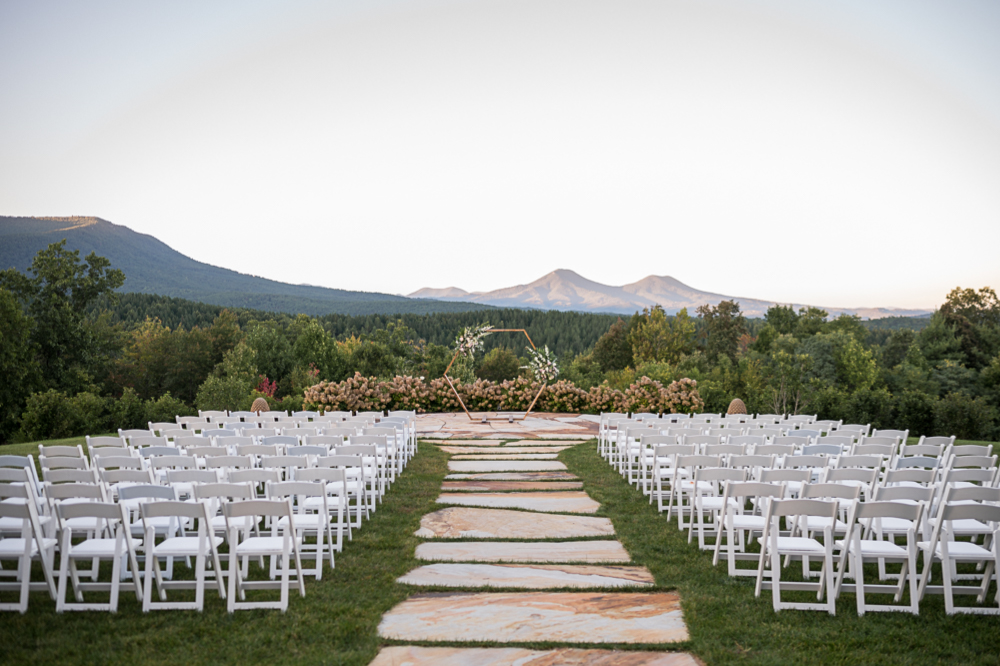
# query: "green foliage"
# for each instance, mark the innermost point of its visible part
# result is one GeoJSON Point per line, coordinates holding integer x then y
{"type": "Point", "coordinates": [52, 414]}
{"type": "Point", "coordinates": [128, 411]}
{"type": "Point", "coordinates": [165, 408]}
{"type": "Point", "coordinates": [613, 351]}
{"type": "Point", "coordinates": [782, 319]}
{"type": "Point", "coordinates": [966, 418]}
{"type": "Point", "coordinates": [656, 339]}
{"type": "Point", "coordinates": [56, 297]}
{"type": "Point", "coordinates": [18, 365]}
{"type": "Point", "coordinates": [272, 352]}
{"type": "Point", "coordinates": [229, 392]}
{"type": "Point", "coordinates": [724, 326]}
{"type": "Point", "coordinates": [498, 365]}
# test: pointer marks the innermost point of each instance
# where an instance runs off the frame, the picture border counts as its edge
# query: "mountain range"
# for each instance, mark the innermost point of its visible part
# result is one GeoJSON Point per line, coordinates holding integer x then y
{"type": "Point", "coordinates": [566, 290]}
{"type": "Point", "coordinates": [153, 267]}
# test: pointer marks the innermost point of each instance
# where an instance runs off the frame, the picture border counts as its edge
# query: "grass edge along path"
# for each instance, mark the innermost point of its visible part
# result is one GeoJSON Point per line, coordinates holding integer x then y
{"type": "Point", "coordinates": [336, 622]}
{"type": "Point", "coordinates": [727, 625]}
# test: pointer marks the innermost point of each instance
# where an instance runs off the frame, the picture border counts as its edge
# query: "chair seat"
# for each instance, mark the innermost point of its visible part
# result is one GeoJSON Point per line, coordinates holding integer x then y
{"type": "Point", "coordinates": [877, 548]}
{"type": "Point", "coordinates": [804, 545]}
{"type": "Point", "coordinates": [748, 522]}
{"type": "Point", "coordinates": [264, 546]}
{"type": "Point", "coordinates": [714, 503]}
{"type": "Point", "coordinates": [15, 547]}
{"type": "Point", "coordinates": [182, 546]}
{"type": "Point", "coordinates": [309, 521]}
{"type": "Point", "coordinates": [890, 524]}
{"type": "Point", "coordinates": [99, 548]}
{"type": "Point", "coordinates": [959, 550]}
{"type": "Point", "coordinates": [84, 523]}
{"type": "Point", "coordinates": [817, 523]}
{"type": "Point", "coordinates": [8, 524]}
{"type": "Point", "coordinates": [242, 523]}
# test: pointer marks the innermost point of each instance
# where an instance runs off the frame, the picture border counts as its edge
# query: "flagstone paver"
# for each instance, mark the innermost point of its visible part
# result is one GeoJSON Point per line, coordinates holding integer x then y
{"type": "Point", "coordinates": [568, 617]}
{"type": "Point", "coordinates": [523, 551]}
{"type": "Point", "coordinates": [542, 442]}
{"type": "Point", "coordinates": [506, 466]}
{"type": "Point", "coordinates": [468, 522]}
{"type": "Point", "coordinates": [411, 655]}
{"type": "Point", "coordinates": [514, 476]}
{"type": "Point", "coordinates": [532, 576]}
{"type": "Point", "coordinates": [464, 442]}
{"type": "Point", "coordinates": [493, 486]}
{"type": "Point", "coordinates": [500, 450]}
{"type": "Point", "coordinates": [499, 455]}
{"type": "Point", "coordinates": [558, 502]}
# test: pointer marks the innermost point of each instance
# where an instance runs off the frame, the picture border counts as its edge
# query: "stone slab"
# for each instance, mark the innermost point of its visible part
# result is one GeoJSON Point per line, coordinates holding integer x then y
{"type": "Point", "coordinates": [500, 455]}
{"type": "Point", "coordinates": [557, 502]}
{"type": "Point", "coordinates": [523, 551]}
{"type": "Point", "coordinates": [472, 523]}
{"type": "Point", "coordinates": [515, 476]}
{"type": "Point", "coordinates": [539, 443]}
{"type": "Point", "coordinates": [529, 576]}
{"type": "Point", "coordinates": [568, 617]}
{"type": "Point", "coordinates": [499, 450]}
{"type": "Point", "coordinates": [465, 442]}
{"type": "Point", "coordinates": [510, 486]}
{"type": "Point", "coordinates": [505, 466]}
{"type": "Point", "coordinates": [411, 655]}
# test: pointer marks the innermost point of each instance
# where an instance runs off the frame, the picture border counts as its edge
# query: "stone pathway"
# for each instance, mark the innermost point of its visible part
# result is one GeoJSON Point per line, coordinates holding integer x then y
{"type": "Point", "coordinates": [513, 522]}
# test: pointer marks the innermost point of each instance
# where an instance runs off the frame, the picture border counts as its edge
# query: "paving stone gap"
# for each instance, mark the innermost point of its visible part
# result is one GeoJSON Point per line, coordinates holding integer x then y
{"type": "Point", "coordinates": [564, 617]}
{"type": "Point", "coordinates": [514, 476]}
{"type": "Point", "coordinates": [551, 502]}
{"type": "Point", "coordinates": [590, 552]}
{"type": "Point", "coordinates": [473, 523]}
{"type": "Point", "coordinates": [411, 655]}
{"type": "Point", "coordinates": [506, 466]}
{"type": "Point", "coordinates": [499, 455]}
{"type": "Point", "coordinates": [509, 486]}
{"type": "Point", "coordinates": [501, 450]}
{"type": "Point", "coordinates": [531, 576]}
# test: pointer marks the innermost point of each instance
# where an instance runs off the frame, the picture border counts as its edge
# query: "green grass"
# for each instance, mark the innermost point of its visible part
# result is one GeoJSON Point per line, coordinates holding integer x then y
{"type": "Point", "coordinates": [728, 625]}
{"type": "Point", "coordinates": [336, 622]}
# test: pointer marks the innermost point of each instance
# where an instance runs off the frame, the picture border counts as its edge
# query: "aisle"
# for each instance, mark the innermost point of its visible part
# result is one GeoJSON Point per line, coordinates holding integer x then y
{"type": "Point", "coordinates": [501, 513]}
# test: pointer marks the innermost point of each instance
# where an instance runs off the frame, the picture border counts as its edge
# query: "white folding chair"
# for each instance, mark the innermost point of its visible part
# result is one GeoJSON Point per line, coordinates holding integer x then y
{"type": "Point", "coordinates": [202, 546]}
{"type": "Point", "coordinates": [312, 518]}
{"type": "Point", "coordinates": [860, 547]}
{"type": "Point", "coordinates": [738, 525]}
{"type": "Point", "coordinates": [30, 545]}
{"type": "Point", "coordinates": [116, 546]}
{"type": "Point", "coordinates": [281, 543]}
{"type": "Point", "coordinates": [774, 547]}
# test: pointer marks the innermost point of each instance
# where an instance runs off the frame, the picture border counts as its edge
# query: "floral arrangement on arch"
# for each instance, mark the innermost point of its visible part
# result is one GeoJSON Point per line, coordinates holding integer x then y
{"type": "Point", "coordinates": [470, 340]}
{"type": "Point", "coordinates": [542, 364]}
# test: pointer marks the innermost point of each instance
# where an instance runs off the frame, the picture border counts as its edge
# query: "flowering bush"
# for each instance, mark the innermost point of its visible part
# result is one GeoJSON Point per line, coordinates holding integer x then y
{"type": "Point", "coordinates": [470, 340]}
{"type": "Point", "coordinates": [266, 387]}
{"type": "Point", "coordinates": [414, 393]}
{"type": "Point", "coordinates": [542, 364]}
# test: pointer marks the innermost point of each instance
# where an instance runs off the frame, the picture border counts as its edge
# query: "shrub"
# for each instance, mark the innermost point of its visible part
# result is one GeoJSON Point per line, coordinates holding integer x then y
{"type": "Point", "coordinates": [53, 415]}
{"type": "Point", "coordinates": [966, 418]}
{"type": "Point", "coordinates": [128, 411]}
{"type": "Point", "coordinates": [166, 407]}
{"type": "Point", "coordinates": [500, 364]}
{"type": "Point", "coordinates": [872, 406]}
{"type": "Point", "coordinates": [914, 411]}
{"type": "Point", "coordinates": [223, 393]}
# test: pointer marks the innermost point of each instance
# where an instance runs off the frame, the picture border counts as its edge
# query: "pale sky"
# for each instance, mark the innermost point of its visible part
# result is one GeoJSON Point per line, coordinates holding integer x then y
{"type": "Point", "coordinates": [843, 154]}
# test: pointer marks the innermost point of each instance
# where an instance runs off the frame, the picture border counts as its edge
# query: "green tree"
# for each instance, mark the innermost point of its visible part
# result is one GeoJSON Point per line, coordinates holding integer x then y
{"type": "Point", "coordinates": [724, 326]}
{"type": "Point", "coordinates": [498, 365]}
{"type": "Point", "coordinates": [55, 296]}
{"type": "Point", "coordinates": [613, 350]}
{"type": "Point", "coordinates": [782, 318]}
{"type": "Point", "coordinates": [18, 366]}
{"type": "Point", "coordinates": [656, 339]}
{"type": "Point", "coordinates": [810, 322]}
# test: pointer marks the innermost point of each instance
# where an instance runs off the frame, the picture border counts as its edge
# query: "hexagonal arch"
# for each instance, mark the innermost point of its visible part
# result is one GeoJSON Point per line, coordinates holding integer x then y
{"type": "Point", "coordinates": [459, 398]}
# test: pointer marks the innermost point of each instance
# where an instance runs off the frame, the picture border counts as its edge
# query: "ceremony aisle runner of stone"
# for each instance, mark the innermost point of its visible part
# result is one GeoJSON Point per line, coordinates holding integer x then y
{"type": "Point", "coordinates": [506, 494]}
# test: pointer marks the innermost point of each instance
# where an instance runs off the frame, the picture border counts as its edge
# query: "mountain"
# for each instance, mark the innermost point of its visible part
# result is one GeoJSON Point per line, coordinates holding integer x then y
{"type": "Point", "coordinates": [152, 267]}
{"type": "Point", "coordinates": [566, 290]}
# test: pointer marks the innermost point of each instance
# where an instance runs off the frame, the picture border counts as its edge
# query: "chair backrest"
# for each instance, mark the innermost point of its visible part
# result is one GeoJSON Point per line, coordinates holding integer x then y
{"type": "Point", "coordinates": [725, 449]}
{"type": "Point", "coordinates": [779, 475]}
{"type": "Point", "coordinates": [969, 450]}
{"type": "Point", "coordinates": [803, 507]}
{"type": "Point", "coordinates": [982, 462]}
{"type": "Point", "coordinates": [64, 475]}
{"type": "Point", "coordinates": [118, 462]}
{"type": "Point", "coordinates": [803, 432]}
{"type": "Point", "coordinates": [204, 491]}
{"type": "Point", "coordinates": [308, 450]}
{"type": "Point", "coordinates": [62, 463]}
{"type": "Point", "coordinates": [868, 477]}
{"type": "Point", "coordinates": [173, 508]}
{"type": "Point", "coordinates": [207, 451]}
{"type": "Point", "coordinates": [258, 507]}
{"type": "Point", "coordinates": [173, 435]}
{"type": "Point", "coordinates": [346, 433]}
{"type": "Point", "coordinates": [147, 440]}
{"type": "Point", "coordinates": [192, 476]}
{"type": "Point", "coordinates": [930, 450]}
{"type": "Point", "coordinates": [696, 461]}
{"type": "Point", "coordinates": [685, 431]}
{"type": "Point", "coordinates": [718, 475]}
{"type": "Point", "coordinates": [867, 462]}
{"type": "Point", "coordinates": [856, 427]}
{"type": "Point", "coordinates": [330, 474]}
{"type": "Point", "coordinates": [173, 462]}
{"type": "Point", "coordinates": [157, 451]}
{"type": "Point", "coordinates": [830, 491]}
{"type": "Point", "coordinates": [334, 462]}
{"type": "Point", "coordinates": [909, 476]}
{"type": "Point", "coordinates": [911, 512]}
{"type": "Point", "coordinates": [255, 476]}
{"type": "Point", "coordinates": [972, 494]}
{"type": "Point", "coordinates": [257, 450]}
{"type": "Point", "coordinates": [357, 450]}
{"type": "Point", "coordinates": [702, 441]}
{"type": "Point", "coordinates": [904, 493]}
{"type": "Point", "coordinates": [296, 489]}
{"type": "Point", "coordinates": [135, 432]}
{"type": "Point", "coordinates": [160, 426]}
{"type": "Point", "coordinates": [329, 441]}
{"type": "Point", "coordinates": [797, 442]}
{"type": "Point", "coordinates": [915, 462]}
{"type": "Point", "coordinates": [845, 441]}
{"type": "Point", "coordinates": [937, 441]}
{"type": "Point", "coordinates": [229, 462]}
{"type": "Point", "coordinates": [752, 461]}
{"type": "Point", "coordinates": [280, 440]}
{"type": "Point", "coordinates": [749, 440]}
{"type": "Point", "coordinates": [117, 476]}
{"type": "Point", "coordinates": [108, 511]}
{"type": "Point", "coordinates": [887, 451]}
{"type": "Point", "coordinates": [210, 413]}
{"type": "Point", "coordinates": [369, 440]}
{"type": "Point", "coordinates": [284, 462]}
{"type": "Point", "coordinates": [65, 491]}
{"type": "Point", "coordinates": [754, 489]}
{"type": "Point", "coordinates": [104, 441]}
{"type": "Point", "coordinates": [57, 451]}
{"type": "Point", "coordinates": [901, 435]}
{"type": "Point", "coordinates": [774, 450]}
{"type": "Point", "coordinates": [822, 450]}
{"type": "Point", "coordinates": [151, 491]}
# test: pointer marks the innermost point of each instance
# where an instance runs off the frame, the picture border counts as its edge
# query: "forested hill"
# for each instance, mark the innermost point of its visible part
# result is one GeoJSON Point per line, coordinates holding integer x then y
{"type": "Point", "coordinates": [152, 267]}
{"type": "Point", "coordinates": [563, 332]}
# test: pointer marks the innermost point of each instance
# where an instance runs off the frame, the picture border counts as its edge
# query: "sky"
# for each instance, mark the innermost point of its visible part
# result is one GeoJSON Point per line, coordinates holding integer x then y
{"type": "Point", "coordinates": [842, 154]}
